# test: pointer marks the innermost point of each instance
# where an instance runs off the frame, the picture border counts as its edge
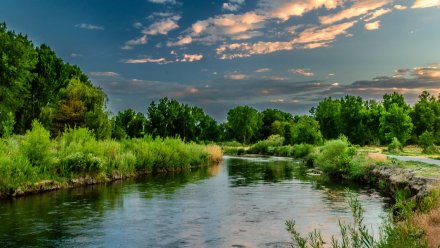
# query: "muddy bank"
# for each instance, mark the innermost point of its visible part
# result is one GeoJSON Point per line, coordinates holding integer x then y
{"type": "Point", "coordinates": [391, 179]}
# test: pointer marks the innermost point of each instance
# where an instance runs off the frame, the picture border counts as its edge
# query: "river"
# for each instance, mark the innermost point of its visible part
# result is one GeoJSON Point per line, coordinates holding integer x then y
{"type": "Point", "coordinates": [243, 202]}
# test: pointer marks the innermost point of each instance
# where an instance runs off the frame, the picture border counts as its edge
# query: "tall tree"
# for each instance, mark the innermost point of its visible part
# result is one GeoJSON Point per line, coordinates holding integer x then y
{"type": "Point", "coordinates": [243, 123]}
{"type": "Point", "coordinates": [396, 122]}
{"type": "Point", "coordinates": [17, 58]}
{"type": "Point", "coordinates": [328, 114]}
{"type": "Point", "coordinates": [426, 115]}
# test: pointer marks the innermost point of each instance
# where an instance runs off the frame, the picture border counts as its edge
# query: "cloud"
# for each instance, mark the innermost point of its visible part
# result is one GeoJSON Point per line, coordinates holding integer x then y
{"type": "Point", "coordinates": [425, 4]}
{"type": "Point", "coordinates": [161, 27]}
{"type": "Point", "coordinates": [309, 38]}
{"type": "Point", "coordinates": [191, 57]}
{"type": "Point", "coordinates": [233, 5]}
{"type": "Point", "coordinates": [377, 14]}
{"type": "Point", "coordinates": [227, 26]}
{"type": "Point", "coordinates": [372, 25]}
{"type": "Point", "coordinates": [163, 1]}
{"type": "Point", "coordinates": [359, 8]}
{"type": "Point", "coordinates": [163, 61]}
{"type": "Point", "coordinates": [323, 35]}
{"type": "Point", "coordinates": [306, 72]}
{"type": "Point", "coordinates": [237, 76]}
{"type": "Point", "coordinates": [160, 61]}
{"type": "Point", "coordinates": [76, 55]}
{"type": "Point", "coordinates": [285, 9]}
{"type": "Point", "coordinates": [184, 40]}
{"type": "Point", "coordinates": [400, 7]}
{"type": "Point", "coordinates": [219, 95]}
{"type": "Point", "coordinates": [262, 70]}
{"type": "Point", "coordinates": [104, 74]}
{"type": "Point", "coordinates": [89, 26]}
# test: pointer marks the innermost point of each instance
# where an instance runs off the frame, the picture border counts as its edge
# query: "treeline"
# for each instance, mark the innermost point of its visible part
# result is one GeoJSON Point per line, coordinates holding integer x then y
{"type": "Point", "coordinates": [35, 84]}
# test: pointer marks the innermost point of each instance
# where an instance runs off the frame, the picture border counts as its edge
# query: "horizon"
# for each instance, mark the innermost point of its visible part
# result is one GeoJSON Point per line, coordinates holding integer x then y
{"type": "Point", "coordinates": [282, 54]}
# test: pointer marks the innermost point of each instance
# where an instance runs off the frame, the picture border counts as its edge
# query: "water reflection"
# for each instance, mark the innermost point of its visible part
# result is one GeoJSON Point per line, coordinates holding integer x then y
{"type": "Point", "coordinates": [243, 202]}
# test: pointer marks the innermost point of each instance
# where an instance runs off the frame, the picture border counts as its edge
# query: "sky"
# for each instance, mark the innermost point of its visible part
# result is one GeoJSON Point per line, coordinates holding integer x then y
{"type": "Point", "coordinates": [285, 54]}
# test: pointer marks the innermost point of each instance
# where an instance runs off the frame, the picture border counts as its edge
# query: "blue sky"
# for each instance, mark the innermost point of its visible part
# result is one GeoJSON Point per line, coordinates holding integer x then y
{"type": "Point", "coordinates": [285, 54]}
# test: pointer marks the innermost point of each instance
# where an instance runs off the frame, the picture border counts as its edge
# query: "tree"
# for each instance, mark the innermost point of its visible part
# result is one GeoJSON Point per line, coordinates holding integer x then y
{"type": "Point", "coordinates": [80, 105]}
{"type": "Point", "coordinates": [328, 114]}
{"type": "Point", "coordinates": [426, 141]}
{"type": "Point", "coordinates": [17, 58]}
{"type": "Point", "coordinates": [243, 123]}
{"type": "Point", "coordinates": [354, 119]}
{"type": "Point", "coordinates": [396, 122]}
{"type": "Point", "coordinates": [129, 123]}
{"type": "Point", "coordinates": [426, 116]}
{"type": "Point", "coordinates": [269, 116]}
{"type": "Point", "coordinates": [306, 131]}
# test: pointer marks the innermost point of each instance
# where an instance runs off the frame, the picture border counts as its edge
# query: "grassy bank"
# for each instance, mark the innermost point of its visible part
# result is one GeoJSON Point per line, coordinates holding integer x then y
{"type": "Point", "coordinates": [33, 161]}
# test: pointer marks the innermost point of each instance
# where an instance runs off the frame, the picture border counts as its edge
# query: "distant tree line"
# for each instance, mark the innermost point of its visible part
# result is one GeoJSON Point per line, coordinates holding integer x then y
{"type": "Point", "coordinates": [35, 84]}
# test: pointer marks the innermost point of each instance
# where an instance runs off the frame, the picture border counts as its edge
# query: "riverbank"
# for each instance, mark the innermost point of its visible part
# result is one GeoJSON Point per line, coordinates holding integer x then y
{"type": "Point", "coordinates": [35, 163]}
{"type": "Point", "coordinates": [414, 186]}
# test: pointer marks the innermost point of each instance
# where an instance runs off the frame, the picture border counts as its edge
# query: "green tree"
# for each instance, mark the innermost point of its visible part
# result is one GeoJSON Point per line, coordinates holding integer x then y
{"type": "Point", "coordinates": [269, 116]}
{"type": "Point", "coordinates": [426, 141]}
{"type": "Point", "coordinates": [17, 59]}
{"type": "Point", "coordinates": [328, 114]}
{"type": "Point", "coordinates": [426, 116]}
{"type": "Point", "coordinates": [396, 122]}
{"type": "Point", "coordinates": [354, 119]}
{"type": "Point", "coordinates": [243, 123]}
{"type": "Point", "coordinates": [80, 105]}
{"type": "Point", "coordinates": [130, 123]}
{"type": "Point", "coordinates": [306, 131]}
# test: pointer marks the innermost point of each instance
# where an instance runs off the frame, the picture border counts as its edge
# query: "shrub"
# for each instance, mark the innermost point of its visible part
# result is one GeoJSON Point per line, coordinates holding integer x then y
{"type": "Point", "coordinates": [263, 146]}
{"type": "Point", "coordinates": [335, 156]}
{"type": "Point", "coordinates": [36, 146]}
{"type": "Point", "coordinates": [80, 163]}
{"type": "Point", "coordinates": [426, 141]}
{"type": "Point", "coordinates": [302, 150]}
{"type": "Point", "coordinates": [395, 146]}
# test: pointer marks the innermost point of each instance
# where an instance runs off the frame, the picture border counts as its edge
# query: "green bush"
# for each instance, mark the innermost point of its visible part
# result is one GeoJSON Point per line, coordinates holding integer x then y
{"type": "Point", "coordinates": [36, 146]}
{"type": "Point", "coordinates": [264, 146]}
{"type": "Point", "coordinates": [302, 150]}
{"type": "Point", "coordinates": [426, 141]}
{"type": "Point", "coordinates": [335, 156]}
{"type": "Point", "coordinates": [81, 163]}
{"type": "Point", "coordinates": [395, 146]}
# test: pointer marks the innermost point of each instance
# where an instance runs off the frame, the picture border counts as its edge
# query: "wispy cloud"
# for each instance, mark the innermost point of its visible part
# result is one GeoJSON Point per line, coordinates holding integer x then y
{"type": "Point", "coordinates": [89, 26]}
{"type": "Point", "coordinates": [163, 1]}
{"type": "Point", "coordinates": [359, 8]}
{"type": "Point", "coordinates": [262, 70]}
{"type": "Point", "coordinates": [162, 61]}
{"type": "Point", "coordinates": [425, 4]}
{"type": "Point", "coordinates": [233, 5]}
{"type": "Point", "coordinates": [76, 55]}
{"type": "Point", "coordinates": [104, 74]}
{"type": "Point", "coordinates": [161, 27]}
{"type": "Point", "coordinates": [306, 72]}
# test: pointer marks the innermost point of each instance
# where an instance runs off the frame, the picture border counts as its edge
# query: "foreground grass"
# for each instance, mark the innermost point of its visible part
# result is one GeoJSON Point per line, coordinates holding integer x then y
{"type": "Point", "coordinates": [27, 161]}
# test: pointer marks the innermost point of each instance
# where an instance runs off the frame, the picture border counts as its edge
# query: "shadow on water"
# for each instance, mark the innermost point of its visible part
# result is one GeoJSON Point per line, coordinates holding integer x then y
{"type": "Point", "coordinates": [243, 202]}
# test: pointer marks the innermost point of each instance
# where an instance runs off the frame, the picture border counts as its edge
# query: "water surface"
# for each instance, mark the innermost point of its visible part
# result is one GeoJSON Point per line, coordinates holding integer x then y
{"type": "Point", "coordinates": [243, 202]}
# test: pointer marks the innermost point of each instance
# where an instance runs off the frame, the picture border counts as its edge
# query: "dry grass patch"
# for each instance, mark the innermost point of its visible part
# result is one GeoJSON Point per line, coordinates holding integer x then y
{"type": "Point", "coordinates": [377, 157]}
{"type": "Point", "coordinates": [215, 153]}
{"type": "Point", "coordinates": [430, 223]}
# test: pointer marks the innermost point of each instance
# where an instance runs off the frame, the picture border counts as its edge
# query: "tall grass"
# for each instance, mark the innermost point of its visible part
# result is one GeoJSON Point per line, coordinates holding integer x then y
{"type": "Point", "coordinates": [33, 157]}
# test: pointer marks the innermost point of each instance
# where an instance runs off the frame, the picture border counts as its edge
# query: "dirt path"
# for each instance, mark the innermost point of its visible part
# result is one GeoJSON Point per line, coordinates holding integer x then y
{"type": "Point", "coordinates": [423, 160]}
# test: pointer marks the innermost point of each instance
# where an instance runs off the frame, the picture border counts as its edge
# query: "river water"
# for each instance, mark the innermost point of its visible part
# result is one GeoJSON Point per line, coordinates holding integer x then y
{"type": "Point", "coordinates": [244, 202]}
